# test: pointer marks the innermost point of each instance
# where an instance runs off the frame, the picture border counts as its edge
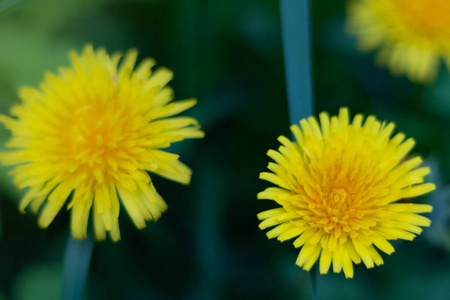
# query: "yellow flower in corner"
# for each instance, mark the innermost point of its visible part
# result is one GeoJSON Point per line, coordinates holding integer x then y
{"type": "Point", "coordinates": [412, 36]}
{"type": "Point", "coordinates": [89, 136]}
{"type": "Point", "coordinates": [342, 190]}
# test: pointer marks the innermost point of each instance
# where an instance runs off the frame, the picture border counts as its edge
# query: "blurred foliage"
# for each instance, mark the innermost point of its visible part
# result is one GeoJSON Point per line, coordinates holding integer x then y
{"type": "Point", "coordinates": [228, 54]}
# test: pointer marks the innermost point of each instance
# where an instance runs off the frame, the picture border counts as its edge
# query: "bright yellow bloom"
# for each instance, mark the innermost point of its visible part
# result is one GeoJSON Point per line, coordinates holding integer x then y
{"type": "Point", "coordinates": [341, 191]}
{"type": "Point", "coordinates": [412, 36]}
{"type": "Point", "coordinates": [90, 135]}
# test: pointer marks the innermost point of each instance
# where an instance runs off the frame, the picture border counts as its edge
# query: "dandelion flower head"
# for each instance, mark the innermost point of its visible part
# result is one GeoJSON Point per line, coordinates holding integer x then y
{"type": "Point", "coordinates": [342, 190]}
{"type": "Point", "coordinates": [412, 36]}
{"type": "Point", "coordinates": [89, 136]}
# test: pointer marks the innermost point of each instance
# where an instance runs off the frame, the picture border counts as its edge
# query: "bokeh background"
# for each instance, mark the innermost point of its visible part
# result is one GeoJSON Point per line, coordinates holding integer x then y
{"type": "Point", "coordinates": [228, 54]}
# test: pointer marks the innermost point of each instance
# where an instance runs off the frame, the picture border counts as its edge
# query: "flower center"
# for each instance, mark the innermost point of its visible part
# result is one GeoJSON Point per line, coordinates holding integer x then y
{"type": "Point", "coordinates": [91, 131]}
{"type": "Point", "coordinates": [429, 19]}
{"type": "Point", "coordinates": [338, 199]}
{"type": "Point", "coordinates": [340, 208]}
{"type": "Point", "coordinates": [342, 186]}
{"type": "Point", "coordinates": [99, 141]}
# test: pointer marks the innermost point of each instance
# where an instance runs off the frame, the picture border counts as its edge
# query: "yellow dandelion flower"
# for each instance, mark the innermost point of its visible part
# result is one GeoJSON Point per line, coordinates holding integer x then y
{"type": "Point", "coordinates": [89, 136]}
{"type": "Point", "coordinates": [412, 36]}
{"type": "Point", "coordinates": [341, 191]}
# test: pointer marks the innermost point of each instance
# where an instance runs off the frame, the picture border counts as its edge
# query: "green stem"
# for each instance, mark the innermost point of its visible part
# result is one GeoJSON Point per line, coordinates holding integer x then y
{"type": "Point", "coordinates": [297, 57]}
{"type": "Point", "coordinates": [295, 25]}
{"type": "Point", "coordinates": [313, 274]}
{"type": "Point", "coordinates": [76, 267]}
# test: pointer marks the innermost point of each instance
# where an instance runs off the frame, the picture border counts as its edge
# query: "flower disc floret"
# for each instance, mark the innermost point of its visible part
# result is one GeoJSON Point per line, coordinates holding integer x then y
{"type": "Point", "coordinates": [90, 135]}
{"type": "Point", "coordinates": [342, 190]}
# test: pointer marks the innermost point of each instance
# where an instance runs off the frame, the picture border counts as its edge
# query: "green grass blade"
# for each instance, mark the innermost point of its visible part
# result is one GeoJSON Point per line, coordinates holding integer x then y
{"type": "Point", "coordinates": [295, 25]}
{"type": "Point", "coordinates": [7, 6]}
{"type": "Point", "coordinates": [297, 57]}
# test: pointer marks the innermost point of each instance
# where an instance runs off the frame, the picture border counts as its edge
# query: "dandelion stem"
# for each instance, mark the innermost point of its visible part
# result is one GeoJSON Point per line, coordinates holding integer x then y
{"type": "Point", "coordinates": [295, 25]}
{"type": "Point", "coordinates": [76, 267]}
{"type": "Point", "coordinates": [297, 57]}
{"type": "Point", "coordinates": [313, 274]}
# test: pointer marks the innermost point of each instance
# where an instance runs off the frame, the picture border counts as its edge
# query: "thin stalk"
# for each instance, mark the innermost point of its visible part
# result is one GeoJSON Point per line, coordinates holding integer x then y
{"type": "Point", "coordinates": [295, 25]}
{"type": "Point", "coordinates": [313, 274]}
{"type": "Point", "coordinates": [76, 267]}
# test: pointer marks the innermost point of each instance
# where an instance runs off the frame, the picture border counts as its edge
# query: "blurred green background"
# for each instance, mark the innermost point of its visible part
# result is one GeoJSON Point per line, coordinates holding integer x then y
{"type": "Point", "coordinates": [228, 54]}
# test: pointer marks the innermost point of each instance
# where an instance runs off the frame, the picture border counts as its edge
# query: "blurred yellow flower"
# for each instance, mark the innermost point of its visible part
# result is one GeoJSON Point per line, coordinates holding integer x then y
{"type": "Point", "coordinates": [341, 191]}
{"type": "Point", "coordinates": [89, 136]}
{"type": "Point", "coordinates": [412, 36]}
